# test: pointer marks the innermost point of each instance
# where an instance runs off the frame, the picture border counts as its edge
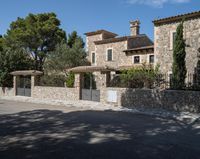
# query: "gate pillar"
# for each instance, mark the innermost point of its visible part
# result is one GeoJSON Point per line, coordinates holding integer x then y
{"type": "Point", "coordinates": [78, 84]}
{"type": "Point", "coordinates": [15, 85]}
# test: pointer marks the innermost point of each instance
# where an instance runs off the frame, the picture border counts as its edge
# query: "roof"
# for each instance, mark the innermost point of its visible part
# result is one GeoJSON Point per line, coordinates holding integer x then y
{"type": "Point", "coordinates": [100, 32]}
{"type": "Point", "coordinates": [177, 18]}
{"type": "Point", "coordinates": [127, 67]}
{"type": "Point", "coordinates": [81, 69]}
{"type": "Point", "coordinates": [151, 47]}
{"type": "Point", "coordinates": [26, 73]}
{"type": "Point", "coordinates": [118, 39]}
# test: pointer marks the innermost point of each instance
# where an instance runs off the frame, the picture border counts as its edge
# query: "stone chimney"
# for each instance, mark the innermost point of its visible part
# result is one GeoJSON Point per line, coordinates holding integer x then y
{"type": "Point", "coordinates": [135, 27]}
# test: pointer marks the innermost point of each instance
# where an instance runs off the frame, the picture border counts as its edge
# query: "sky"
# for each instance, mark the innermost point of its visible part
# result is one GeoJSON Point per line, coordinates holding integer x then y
{"type": "Point", "coordinates": [90, 15]}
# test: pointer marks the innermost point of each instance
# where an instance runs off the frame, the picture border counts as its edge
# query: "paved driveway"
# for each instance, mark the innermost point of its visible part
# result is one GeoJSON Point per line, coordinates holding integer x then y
{"type": "Point", "coordinates": [32, 131]}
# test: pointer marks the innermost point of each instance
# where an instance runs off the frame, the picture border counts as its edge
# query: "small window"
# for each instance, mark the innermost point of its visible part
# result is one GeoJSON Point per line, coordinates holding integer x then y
{"type": "Point", "coordinates": [93, 58]}
{"type": "Point", "coordinates": [109, 55]}
{"type": "Point", "coordinates": [172, 39]}
{"type": "Point", "coordinates": [151, 58]}
{"type": "Point", "coordinates": [136, 59]}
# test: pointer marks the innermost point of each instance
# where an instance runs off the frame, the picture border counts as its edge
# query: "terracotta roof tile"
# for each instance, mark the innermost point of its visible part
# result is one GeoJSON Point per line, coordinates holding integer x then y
{"type": "Point", "coordinates": [177, 18]}
{"type": "Point", "coordinates": [100, 32]}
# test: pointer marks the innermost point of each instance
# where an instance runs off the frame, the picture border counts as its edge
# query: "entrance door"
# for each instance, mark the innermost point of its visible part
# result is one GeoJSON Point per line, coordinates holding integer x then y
{"type": "Point", "coordinates": [24, 86]}
{"type": "Point", "coordinates": [89, 91]}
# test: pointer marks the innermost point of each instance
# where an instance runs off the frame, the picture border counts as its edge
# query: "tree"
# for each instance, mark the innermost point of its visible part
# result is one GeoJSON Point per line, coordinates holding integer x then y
{"type": "Point", "coordinates": [179, 67]}
{"type": "Point", "coordinates": [37, 34]}
{"type": "Point", "coordinates": [72, 39]}
{"type": "Point", "coordinates": [12, 60]}
{"type": "Point", "coordinates": [65, 57]}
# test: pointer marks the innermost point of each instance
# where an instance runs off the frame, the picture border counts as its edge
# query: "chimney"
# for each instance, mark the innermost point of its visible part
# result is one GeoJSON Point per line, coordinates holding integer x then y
{"type": "Point", "coordinates": [135, 27]}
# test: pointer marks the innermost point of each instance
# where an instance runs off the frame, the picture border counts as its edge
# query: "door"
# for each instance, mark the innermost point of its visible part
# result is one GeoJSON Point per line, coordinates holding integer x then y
{"type": "Point", "coordinates": [89, 91]}
{"type": "Point", "coordinates": [24, 86]}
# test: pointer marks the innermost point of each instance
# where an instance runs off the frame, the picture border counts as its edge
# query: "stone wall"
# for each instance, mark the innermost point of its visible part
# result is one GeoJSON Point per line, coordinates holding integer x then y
{"type": "Point", "coordinates": [55, 93]}
{"type": "Point", "coordinates": [167, 99]}
{"type": "Point", "coordinates": [6, 91]}
{"type": "Point", "coordinates": [119, 57]}
{"type": "Point", "coordinates": [90, 46]}
{"type": "Point", "coordinates": [163, 42]}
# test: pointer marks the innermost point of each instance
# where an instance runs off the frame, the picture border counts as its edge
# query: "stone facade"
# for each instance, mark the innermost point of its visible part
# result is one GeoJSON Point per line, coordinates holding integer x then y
{"type": "Point", "coordinates": [163, 44]}
{"type": "Point", "coordinates": [100, 42]}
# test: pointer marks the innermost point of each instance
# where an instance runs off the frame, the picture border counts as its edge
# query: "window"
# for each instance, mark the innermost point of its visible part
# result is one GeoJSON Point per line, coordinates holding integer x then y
{"type": "Point", "coordinates": [151, 58]}
{"type": "Point", "coordinates": [136, 59]}
{"type": "Point", "coordinates": [93, 58]}
{"type": "Point", "coordinates": [172, 39]}
{"type": "Point", "coordinates": [109, 55]}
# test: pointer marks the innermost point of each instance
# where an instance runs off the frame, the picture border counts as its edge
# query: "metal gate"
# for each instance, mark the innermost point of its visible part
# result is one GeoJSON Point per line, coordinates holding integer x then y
{"type": "Point", "coordinates": [89, 91]}
{"type": "Point", "coordinates": [24, 86]}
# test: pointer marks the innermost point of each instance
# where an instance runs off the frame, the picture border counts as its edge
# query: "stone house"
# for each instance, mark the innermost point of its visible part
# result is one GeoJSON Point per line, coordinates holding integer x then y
{"type": "Point", "coordinates": [107, 49]}
{"type": "Point", "coordinates": [164, 35]}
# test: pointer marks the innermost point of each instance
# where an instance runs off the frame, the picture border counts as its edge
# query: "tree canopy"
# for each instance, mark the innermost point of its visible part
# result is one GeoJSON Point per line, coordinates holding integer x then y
{"type": "Point", "coordinates": [65, 57]}
{"type": "Point", "coordinates": [72, 39]}
{"type": "Point", "coordinates": [12, 60]}
{"type": "Point", "coordinates": [37, 34]}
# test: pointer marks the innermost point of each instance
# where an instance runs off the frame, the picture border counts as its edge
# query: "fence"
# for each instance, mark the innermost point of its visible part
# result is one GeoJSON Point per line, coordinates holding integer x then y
{"type": "Point", "coordinates": [162, 81]}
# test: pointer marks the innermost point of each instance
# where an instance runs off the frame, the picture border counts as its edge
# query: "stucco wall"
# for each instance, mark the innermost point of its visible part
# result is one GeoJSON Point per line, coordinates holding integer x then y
{"type": "Point", "coordinates": [163, 52]}
{"type": "Point", "coordinates": [6, 91]}
{"type": "Point", "coordinates": [56, 93]}
{"type": "Point", "coordinates": [167, 99]}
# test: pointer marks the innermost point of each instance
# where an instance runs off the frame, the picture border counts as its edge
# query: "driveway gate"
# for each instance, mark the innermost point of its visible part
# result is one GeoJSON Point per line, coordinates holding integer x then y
{"type": "Point", "coordinates": [24, 86]}
{"type": "Point", "coordinates": [89, 91]}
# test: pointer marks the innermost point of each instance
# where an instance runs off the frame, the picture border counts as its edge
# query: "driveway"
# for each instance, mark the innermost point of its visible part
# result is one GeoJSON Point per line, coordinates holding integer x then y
{"type": "Point", "coordinates": [33, 131]}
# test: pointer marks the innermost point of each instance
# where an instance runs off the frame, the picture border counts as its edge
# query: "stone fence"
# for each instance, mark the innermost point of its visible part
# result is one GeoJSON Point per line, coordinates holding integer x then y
{"type": "Point", "coordinates": [55, 93]}
{"type": "Point", "coordinates": [141, 98]}
{"type": "Point", "coordinates": [5, 91]}
{"type": "Point", "coordinates": [130, 98]}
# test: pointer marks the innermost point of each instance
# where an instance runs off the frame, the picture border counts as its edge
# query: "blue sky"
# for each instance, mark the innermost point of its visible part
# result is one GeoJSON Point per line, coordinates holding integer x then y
{"type": "Point", "coordinates": [90, 15]}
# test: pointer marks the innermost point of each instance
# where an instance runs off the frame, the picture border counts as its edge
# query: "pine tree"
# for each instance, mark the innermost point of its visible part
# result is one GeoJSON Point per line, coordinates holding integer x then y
{"type": "Point", "coordinates": [179, 68]}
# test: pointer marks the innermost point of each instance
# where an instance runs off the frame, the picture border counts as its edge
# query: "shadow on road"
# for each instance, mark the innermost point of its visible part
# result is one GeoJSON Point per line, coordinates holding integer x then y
{"type": "Point", "coordinates": [45, 134]}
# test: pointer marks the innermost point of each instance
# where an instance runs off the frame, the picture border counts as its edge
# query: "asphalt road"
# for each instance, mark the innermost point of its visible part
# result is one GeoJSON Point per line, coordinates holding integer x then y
{"type": "Point", "coordinates": [33, 131]}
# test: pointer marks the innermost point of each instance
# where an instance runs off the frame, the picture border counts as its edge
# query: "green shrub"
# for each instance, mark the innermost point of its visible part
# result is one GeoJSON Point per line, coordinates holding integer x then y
{"type": "Point", "coordinates": [139, 77]}
{"type": "Point", "coordinates": [70, 80]}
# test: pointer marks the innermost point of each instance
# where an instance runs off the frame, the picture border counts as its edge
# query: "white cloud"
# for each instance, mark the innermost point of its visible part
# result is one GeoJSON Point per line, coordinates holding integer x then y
{"type": "Point", "coordinates": [156, 3]}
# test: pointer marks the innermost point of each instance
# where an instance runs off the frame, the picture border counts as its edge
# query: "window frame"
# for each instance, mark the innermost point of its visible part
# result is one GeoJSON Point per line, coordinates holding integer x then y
{"type": "Point", "coordinates": [107, 54]}
{"type": "Point", "coordinates": [150, 59]}
{"type": "Point", "coordinates": [172, 39]}
{"type": "Point", "coordinates": [93, 62]}
{"type": "Point", "coordinates": [134, 59]}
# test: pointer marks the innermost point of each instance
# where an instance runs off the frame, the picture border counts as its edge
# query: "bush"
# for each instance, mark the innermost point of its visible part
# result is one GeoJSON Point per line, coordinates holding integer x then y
{"type": "Point", "coordinates": [139, 77]}
{"type": "Point", "coordinates": [70, 80]}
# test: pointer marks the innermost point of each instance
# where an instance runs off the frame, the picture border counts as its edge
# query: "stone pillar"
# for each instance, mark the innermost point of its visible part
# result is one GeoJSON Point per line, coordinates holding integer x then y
{"type": "Point", "coordinates": [15, 85]}
{"type": "Point", "coordinates": [32, 81]}
{"type": "Point", "coordinates": [78, 84]}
